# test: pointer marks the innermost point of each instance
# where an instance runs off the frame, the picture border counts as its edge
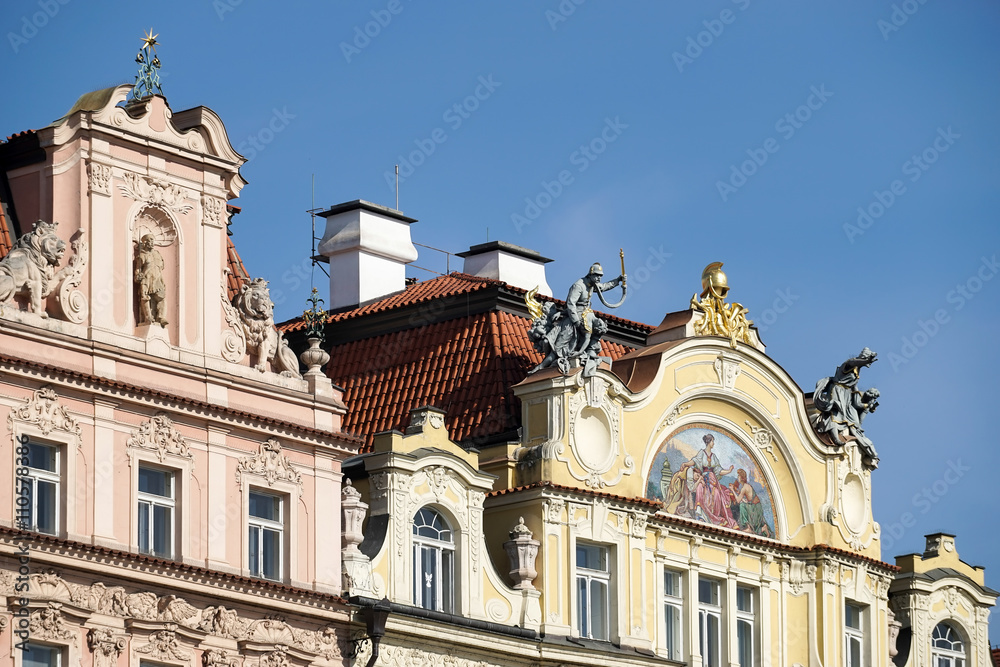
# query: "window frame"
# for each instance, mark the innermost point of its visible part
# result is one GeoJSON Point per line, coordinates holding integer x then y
{"type": "Point", "coordinates": [37, 475]}
{"type": "Point", "coordinates": [589, 576]}
{"type": "Point", "coordinates": [445, 557]}
{"type": "Point", "coordinates": [60, 652]}
{"type": "Point", "coordinates": [674, 651]}
{"type": "Point", "coordinates": [67, 442]}
{"type": "Point", "coordinates": [154, 500]}
{"type": "Point", "coordinates": [706, 612]}
{"type": "Point", "coordinates": [954, 657]}
{"type": "Point", "coordinates": [262, 524]}
{"type": "Point", "coordinates": [746, 618]}
{"type": "Point", "coordinates": [854, 634]}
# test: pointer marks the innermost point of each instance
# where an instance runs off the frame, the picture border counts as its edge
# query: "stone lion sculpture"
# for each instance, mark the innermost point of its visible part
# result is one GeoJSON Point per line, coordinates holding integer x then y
{"type": "Point", "coordinates": [256, 312]}
{"type": "Point", "coordinates": [30, 267]}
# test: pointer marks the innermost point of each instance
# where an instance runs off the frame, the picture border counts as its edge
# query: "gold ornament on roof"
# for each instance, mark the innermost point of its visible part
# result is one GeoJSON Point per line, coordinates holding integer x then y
{"type": "Point", "coordinates": [719, 318]}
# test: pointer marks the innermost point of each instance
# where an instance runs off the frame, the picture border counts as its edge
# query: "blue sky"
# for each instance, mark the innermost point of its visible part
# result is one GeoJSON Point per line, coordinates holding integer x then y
{"type": "Point", "coordinates": [836, 106]}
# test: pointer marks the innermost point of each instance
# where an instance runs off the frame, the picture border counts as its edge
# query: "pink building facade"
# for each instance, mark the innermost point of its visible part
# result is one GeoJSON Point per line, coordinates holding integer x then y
{"type": "Point", "coordinates": [170, 493]}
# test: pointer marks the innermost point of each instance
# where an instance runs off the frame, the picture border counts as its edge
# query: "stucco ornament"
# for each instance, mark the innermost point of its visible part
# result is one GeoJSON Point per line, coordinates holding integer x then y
{"type": "Point", "coordinates": [29, 269]}
{"type": "Point", "coordinates": [149, 282]}
{"type": "Point", "coordinates": [44, 411]}
{"type": "Point", "coordinates": [841, 406]}
{"type": "Point", "coordinates": [572, 333]}
{"type": "Point", "coordinates": [719, 318]}
{"type": "Point", "coordinates": [256, 313]}
{"type": "Point", "coordinates": [270, 464]}
{"type": "Point", "coordinates": [159, 435]}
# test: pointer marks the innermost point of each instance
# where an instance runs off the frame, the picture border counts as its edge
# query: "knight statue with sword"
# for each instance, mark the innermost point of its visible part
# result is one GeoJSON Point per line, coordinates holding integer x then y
{"type": "Point", "coordinates": [572, 333]}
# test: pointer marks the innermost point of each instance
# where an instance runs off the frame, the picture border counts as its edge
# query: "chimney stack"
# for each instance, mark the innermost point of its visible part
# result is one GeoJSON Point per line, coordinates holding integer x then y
{"type": "Point", "coordinates": [368, 247]}
{"type": "Point", "coordinates": [510, 263]}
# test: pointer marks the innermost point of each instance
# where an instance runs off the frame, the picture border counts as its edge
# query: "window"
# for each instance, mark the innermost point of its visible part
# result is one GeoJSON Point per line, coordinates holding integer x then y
{"type": "Point", "coordinates": [592, 579]}
{"type": "Point", "coordinates": [41, 487]}
{"type": "Point", "coordinates": [156, 512]}
{"type": "Point", "coordinates": [38, 655]}
{"type": "Point", "coordinates": [266, 537]}
{"type": "Point", "coordinates": [673, 605]}
{"type": "Point", "coordinates": [744, 626]}
{"type": "Point", "coordinates": [709, 618]}
{"type": "Point", "coordinates": [433, 562]}
{"type": "Point", "coordinates": [854, 636]}
{"type": "Point", "coordinates": [947, 649]}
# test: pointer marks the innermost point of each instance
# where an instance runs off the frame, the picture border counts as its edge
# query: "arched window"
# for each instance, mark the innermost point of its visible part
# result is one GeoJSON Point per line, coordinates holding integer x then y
{"type": "Point", "coordinates": [947, 649]}
{"type": "Point", "coordinates": [433, 562]}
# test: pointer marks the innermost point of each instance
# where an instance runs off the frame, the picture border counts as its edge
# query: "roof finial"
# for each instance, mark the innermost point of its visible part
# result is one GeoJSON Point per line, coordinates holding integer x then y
{"type": "Point", "coordinates": [147, 80]}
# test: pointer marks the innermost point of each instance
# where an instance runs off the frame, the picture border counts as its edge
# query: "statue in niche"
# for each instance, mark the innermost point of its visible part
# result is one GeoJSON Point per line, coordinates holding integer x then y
{"type": "Point", "coordinates": [256, 314]}
{"type": "Point", "coordinates": [841, 406]}
{"type": "Point", "coordinates": [564, 334]}
{"type": "Point", "coordinates": [149, 281]}
{"type": "Point", "coordinates": [30, 267]}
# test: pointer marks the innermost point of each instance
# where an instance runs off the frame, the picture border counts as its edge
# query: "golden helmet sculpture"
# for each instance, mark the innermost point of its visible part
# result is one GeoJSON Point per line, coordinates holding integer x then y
{"type": "Point", "coordinates": [714, 282]}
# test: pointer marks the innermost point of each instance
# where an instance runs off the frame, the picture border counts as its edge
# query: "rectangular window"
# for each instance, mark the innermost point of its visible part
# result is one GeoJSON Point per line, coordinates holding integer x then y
{"type": "Point", "coordinates": [709, 620]}
{"type": "Point", "coordinates": [592, 579]}
{"type": "Point", "coordinates": [37, 655]}
{"type": "Point", "coordinates": [41, 487]}
{"type": "Point", "coordinates": [744, 626]}
{"type": "Point", "coordinates": [854, 636]}
{"type": "Point", "coordinates": [156, 512]}
{"type": "Point", "coordinates": [673, 606]}
{"type": "Point", "coordinates": [266, 537]}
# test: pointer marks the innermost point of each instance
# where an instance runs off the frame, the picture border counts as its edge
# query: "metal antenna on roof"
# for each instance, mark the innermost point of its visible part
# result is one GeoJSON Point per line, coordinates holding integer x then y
{"type": "Point", "coordinates": [397, 187]}
{"type": "Point", "coordinates": [313, 256]}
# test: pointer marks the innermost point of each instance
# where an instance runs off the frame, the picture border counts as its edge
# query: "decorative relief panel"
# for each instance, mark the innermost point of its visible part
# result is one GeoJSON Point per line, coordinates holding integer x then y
{"type": "Point", "coordinates": [154, 191]}
{"type": "Point", "coordinates": [727, 367]}
{"type": "Point", "coordinates": [851, 511]}
{"type": "Point", "coordinates": [599, 457]}
{"type": "Point", "coordinates": [49, 624]}
{"type": "Point", "coordinates": [213, 208]}
{"type": "Point", "coordinates": [173, 611]}
{"type": "Point", "coordinates": [270, 464]}
{"type": "Point", "coordinates": [44, 412]}
{"type": "Point", "coordinates": [157, 434]}
{"type": "Point", "coordinates": [763, 438]}
{"type": "Point", "coordinates": [99, 177]}
{"type": "Point", "coordinates": [163, 645]}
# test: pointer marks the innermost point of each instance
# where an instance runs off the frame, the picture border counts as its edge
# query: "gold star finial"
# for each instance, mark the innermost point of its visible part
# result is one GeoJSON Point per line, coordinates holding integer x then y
{"type": "Point", "coordinates": [149, 40]}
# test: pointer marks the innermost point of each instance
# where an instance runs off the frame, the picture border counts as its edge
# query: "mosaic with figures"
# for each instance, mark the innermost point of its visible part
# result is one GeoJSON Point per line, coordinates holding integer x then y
{"type": "Point", "coordinates": [701, 473]}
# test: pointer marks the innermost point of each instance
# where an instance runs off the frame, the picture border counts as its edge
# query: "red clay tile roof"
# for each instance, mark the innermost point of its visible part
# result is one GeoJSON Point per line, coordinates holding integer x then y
{"type": "Point", "coordinates": [995, 654]}
{"type": "Point", "coordinates": [449, 285]}
{"type": "Point", "coordinates": [237, 274]}
{"type": "Point", "coordinates": [466, 366]}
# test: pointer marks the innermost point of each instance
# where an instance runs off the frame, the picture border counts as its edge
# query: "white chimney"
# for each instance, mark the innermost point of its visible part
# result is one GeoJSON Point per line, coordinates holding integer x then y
{"type": "Point", "coordinates": [510, 263]}
{"type": "Point", "coordinates": [368, 247]}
